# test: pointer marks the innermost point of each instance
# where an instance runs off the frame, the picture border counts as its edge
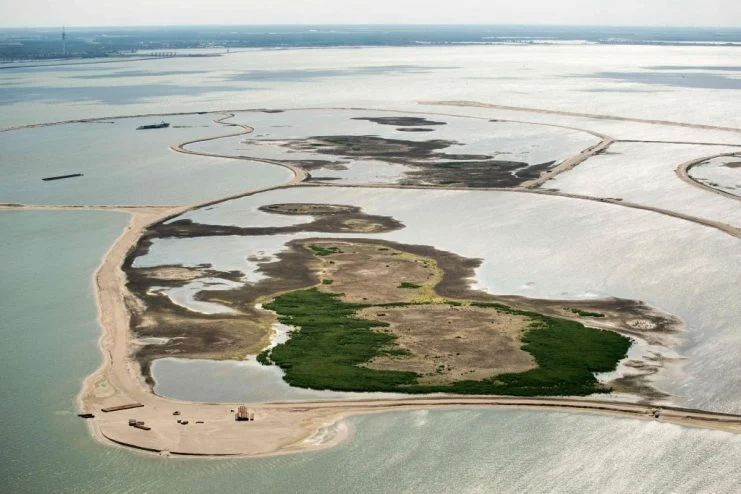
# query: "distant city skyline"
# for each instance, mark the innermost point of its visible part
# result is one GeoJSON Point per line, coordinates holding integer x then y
{"type": "Point", "coordinates": [48, 13]}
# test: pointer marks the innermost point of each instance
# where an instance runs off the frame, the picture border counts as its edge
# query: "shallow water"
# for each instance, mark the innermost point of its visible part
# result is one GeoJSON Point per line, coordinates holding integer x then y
{"type": "Point", "coordinates": [49, 331]}
{"type": "Point", "coordinates": [718, 174]}
{"type": "Point", "coordinates": [229, 381]}
{"type": "Point", "coordinates": [184, 295]}
{"type": "Point", "coordinates": [555, 77]}
{"type": "Point", "coordinates": [541, 247]}
{"type": "Point", "coordinates": [645, 174]}
{"type": "Point", "coordinates": [121, 165]}
{"type": "Point", "coordinates": [49, 314]}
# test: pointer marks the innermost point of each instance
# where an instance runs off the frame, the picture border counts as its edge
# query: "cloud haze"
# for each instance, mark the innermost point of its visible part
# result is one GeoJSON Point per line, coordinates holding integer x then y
{"type": "Point", "coordinates": [18, 13]}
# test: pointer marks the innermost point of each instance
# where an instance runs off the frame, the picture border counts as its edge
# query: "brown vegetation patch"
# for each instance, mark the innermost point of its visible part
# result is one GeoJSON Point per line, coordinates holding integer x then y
{"type": "Point", "coordinates": [344, 219]}
{"type": "Point", "coordinates": [311, 165]}
{"type": "Point", "coordinates": [368, 273]}
{"type": "Point", "coordinates": [173, 273]}
{"type": "Point", "coordinates": [350, 146]}
{"type": "Point", "coordinates": [401, 121]}
{"type": "Point", "coordinates": [308, 209]}
{"type": "Point", "coordinates": [215, 336]}
{"type": "Point", "coordinates": [192, 334]}
{"type": "Point", "coordinates": [448, 343]}
{"type": "Point", "coordinates": [414, 129]}
{"type": "Point", "coordinates": [431, 166]}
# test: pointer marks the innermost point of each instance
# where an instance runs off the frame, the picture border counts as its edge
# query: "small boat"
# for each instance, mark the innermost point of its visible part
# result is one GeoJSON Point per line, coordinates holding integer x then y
{"type": "Point", "coordinates": [162, 125]}
{"type": "Point", "coordinates": [61, 177]}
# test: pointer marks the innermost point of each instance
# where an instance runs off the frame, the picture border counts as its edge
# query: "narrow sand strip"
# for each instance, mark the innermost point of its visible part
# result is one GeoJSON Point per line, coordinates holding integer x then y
{"type": "Point", "coordinates": [683, 172]}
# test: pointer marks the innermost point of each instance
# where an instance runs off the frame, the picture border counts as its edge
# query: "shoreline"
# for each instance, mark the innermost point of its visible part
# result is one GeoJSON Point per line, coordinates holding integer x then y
{"type": "Point", "coordinates": [279, 428]}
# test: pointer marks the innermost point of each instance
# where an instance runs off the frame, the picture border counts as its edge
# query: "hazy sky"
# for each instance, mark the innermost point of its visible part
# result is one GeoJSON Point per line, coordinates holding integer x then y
{"type": "Point", "coordinates": [165, 12]}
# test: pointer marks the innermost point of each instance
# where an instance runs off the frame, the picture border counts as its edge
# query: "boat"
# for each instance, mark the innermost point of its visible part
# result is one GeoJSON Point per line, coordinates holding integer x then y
{"type": "Point", "coordinates": [162, 125]}
{"type": "Point", "coordinates": [61, 177]}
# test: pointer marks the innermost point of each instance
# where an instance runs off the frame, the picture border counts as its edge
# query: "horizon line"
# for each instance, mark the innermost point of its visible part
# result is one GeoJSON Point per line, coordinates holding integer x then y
{"type": "Point", "coordinates": [360, 24]}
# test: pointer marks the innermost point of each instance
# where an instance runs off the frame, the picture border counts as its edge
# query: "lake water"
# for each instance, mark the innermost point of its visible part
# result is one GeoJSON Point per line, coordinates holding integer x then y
{"type": "Point", "coordinates": [49, 330]}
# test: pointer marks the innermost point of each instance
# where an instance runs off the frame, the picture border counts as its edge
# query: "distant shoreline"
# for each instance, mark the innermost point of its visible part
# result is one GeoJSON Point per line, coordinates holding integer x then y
{"type": "Point", "coordinates": [45, 43]}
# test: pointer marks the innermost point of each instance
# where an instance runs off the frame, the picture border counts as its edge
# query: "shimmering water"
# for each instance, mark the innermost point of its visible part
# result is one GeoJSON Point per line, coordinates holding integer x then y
{"type": "Point", "coordinates": [506, 141]}
{"type": "Point", "coordinates": [49, 331]}
{"type": "Point", "coordinates": [49, 315]}
{"type": "Point", "coordinates": [556, 77]}
{"type": "Point", "coordinates": [537, 246]}
{"type": "Point", "coordinates": [723, 173]}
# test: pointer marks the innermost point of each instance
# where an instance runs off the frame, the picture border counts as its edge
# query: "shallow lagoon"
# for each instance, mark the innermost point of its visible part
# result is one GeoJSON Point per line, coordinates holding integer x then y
{"type": "Point", "coordinates": [122, 165]}
{"type": "Point", "coordinates": [506, 141]}
{"type": "Point", "coordinates": [723, 173]}
{"type": "Point", "coordinates": [570, 248]}
{"type": "Point", "coordinates": [645, 174]}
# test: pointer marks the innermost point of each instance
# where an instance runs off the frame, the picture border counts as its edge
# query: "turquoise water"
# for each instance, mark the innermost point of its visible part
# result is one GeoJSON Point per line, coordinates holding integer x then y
{"type": "Point", "coordinates": [49, 336]}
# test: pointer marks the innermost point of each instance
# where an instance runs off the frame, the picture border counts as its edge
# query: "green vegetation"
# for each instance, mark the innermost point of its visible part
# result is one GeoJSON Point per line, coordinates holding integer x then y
{"type": "Point", "coordinates": [406, 284]}
{"type": "Point", "coordinates": [264, 358]}
{"type": "Point", "coordinates": [504, 309]}
{"type": "Point", "coordinates": [325, 352]}
{"type": "Point", "coordinates": [327, 281]}
{"type": "Point", "coordinates": [324, 251]}
{"type": "Point", "coordinates": [332, 341]}
{"type": "Point", "coordinates": [586, 313]}
{"type": "Point", "coordinates": [568, 354]}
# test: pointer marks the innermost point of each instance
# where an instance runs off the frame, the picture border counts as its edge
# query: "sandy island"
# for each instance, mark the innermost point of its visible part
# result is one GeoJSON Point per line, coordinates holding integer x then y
{"type": "Point", "coordinates": [176, 428]}
{"type": "Point", "coordinates": [278, 427]}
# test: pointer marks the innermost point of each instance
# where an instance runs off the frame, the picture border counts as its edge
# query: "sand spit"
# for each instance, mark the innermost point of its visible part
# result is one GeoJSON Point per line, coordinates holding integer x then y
{"type": "Point", "coordinates": [176, 428]}
{"type": "Point", "coordinates": [299, 174]}
{"type": "Point", "coordinates": [44, 207]}
{"type": "Point", "coordinates": [570, 163]}
{"type": "Point", "coordinates": [191, 429]}
{"type": "Point", "coordinates": [723, 227]}
{"type": "Point", "coordinates": [477, 104]}
{"type": "Point", "coordinates": [683, 172]}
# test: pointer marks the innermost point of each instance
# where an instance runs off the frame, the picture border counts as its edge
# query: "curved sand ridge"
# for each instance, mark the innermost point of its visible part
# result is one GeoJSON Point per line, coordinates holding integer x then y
{"type": "Point", "coordinates": [279, 427]}
{"type": "Point", "coordinates": [683, 172]}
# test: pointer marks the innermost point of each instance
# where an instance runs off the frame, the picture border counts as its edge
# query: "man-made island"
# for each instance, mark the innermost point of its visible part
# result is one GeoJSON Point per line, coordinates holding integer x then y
{"type": "Point", "coordinates": [369, 314]}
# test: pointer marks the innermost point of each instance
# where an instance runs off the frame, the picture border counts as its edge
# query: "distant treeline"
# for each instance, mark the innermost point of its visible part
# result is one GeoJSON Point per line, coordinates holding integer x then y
{"type": "Point", "coordinates": [100, 42]}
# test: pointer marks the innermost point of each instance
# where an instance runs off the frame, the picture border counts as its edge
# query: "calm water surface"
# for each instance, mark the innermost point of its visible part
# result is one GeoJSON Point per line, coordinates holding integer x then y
{"type": "Point", "coordinates": [49, 330]}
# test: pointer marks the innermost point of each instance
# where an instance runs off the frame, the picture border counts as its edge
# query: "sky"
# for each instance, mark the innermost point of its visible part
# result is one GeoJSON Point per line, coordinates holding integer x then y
{"type": "Point", "coordinates": [31, 13]}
